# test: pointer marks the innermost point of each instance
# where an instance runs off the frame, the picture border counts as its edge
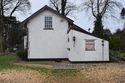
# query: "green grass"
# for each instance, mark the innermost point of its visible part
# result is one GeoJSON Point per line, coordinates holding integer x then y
{"type": "Point", "coordinates": [55, 72]}
{"type": "Point", "coordinates": [10, 61]}
{"type": "Point", "coordinates": [37, 62]}
{"type": "Point", "coordinates": [39, 69]}
{"type": "Point", "coordinates": [8, 58]}
{"type": "Point", "coordinates": [7, 66]}
{"type": "Point", "coordinates": [20, 67]}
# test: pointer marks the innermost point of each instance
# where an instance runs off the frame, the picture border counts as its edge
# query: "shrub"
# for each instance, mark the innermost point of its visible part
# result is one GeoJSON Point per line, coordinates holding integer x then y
{"type": "Point", "coordinates": [116, 56]}
{"type": "Point", "coordinates": [22, 54]}
{"type": "Point", "coordinates": [115, 43]}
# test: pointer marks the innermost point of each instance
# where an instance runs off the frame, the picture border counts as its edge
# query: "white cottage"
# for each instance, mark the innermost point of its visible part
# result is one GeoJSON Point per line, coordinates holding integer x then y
{"type": "Point", "coordinates": [51, 35]}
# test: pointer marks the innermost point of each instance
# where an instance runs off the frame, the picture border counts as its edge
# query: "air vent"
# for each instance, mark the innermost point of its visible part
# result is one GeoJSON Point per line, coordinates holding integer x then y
{"type": "Point", "coordinates": [61, 20]}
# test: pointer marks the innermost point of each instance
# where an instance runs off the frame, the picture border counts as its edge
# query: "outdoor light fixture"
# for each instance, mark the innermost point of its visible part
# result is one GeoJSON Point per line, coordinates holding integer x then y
{"type": "Point", "coordinates": [74, 39]}
{"type": "Point", "coordinates": [102, 42]}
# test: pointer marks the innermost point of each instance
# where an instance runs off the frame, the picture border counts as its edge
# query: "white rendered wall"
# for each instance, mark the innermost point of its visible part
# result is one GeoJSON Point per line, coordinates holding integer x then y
{"type": "Point", "coordinates": [78, 52]}
{"type": "Point", "coordinates": [47, 44]}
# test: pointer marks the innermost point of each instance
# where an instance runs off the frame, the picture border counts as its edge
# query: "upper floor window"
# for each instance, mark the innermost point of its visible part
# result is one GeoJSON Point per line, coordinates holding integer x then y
{"type": "Point", "coordinates": [48, 22]}
{"type": "Point", "coordinates": [90, 45]}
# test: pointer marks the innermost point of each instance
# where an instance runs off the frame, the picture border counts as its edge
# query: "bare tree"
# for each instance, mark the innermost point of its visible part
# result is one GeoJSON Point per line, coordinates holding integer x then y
{"type": "Point", "coordinates": [11, 6]}
{"type": "Point", "coordinates": [99, 10]}
{"type": "Point", "coordinates": [63, 6]}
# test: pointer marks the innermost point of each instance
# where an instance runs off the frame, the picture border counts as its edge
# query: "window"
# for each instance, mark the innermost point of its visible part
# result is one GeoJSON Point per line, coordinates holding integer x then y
{"type": "Point", "coordinates": [90, 45]}
{"type": "Point", "coordinates": [48, 22]}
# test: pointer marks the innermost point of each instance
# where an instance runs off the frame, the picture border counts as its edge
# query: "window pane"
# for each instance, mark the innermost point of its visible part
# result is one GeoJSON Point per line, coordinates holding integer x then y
{"type": "Point", "coordinates": [48, 22]}
{"type": "Point", "coordinates": [90, 45]}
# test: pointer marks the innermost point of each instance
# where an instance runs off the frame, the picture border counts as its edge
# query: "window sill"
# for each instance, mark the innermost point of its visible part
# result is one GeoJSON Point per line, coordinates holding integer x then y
{"type": "Point", "coordinates": [48, 29]}
{"type": "Point", "coordinates": [90, 50]}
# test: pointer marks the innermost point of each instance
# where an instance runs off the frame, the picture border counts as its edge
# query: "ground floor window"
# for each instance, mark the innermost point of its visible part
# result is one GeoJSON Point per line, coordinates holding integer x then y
{"type": "Point", "coordinates": [90, 45]}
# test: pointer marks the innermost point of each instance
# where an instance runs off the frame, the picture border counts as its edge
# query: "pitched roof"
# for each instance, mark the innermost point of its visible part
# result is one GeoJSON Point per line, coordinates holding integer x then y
{"type": "Point", "coordinates": [74, 27]}
{"type": "Point", "coordinates": [43, 9]}
{"type": "Point", "coordinates": [79, 29]}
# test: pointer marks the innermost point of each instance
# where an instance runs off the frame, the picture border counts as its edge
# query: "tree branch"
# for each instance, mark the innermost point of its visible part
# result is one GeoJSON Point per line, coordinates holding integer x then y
{"type": "Point", "coordinates": [105, 7]}
{"type": "Point", "coordinates": [55, 4]}
{"type": "Point", "coordinates": [14, 9]}
{"type": "Point", "coordinates": [92, 7]}
{"type": "Point", "coordinates": [98, 6]}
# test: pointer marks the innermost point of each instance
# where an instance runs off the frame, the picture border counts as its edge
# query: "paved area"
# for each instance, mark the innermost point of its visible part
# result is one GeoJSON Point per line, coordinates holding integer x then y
{"type": "Point", "coordinates": [68, 65]}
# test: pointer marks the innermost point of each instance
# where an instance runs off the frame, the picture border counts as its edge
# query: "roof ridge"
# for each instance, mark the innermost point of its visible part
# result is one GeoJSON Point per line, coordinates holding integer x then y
{"type": "Point", "coordinates": [46, 7]}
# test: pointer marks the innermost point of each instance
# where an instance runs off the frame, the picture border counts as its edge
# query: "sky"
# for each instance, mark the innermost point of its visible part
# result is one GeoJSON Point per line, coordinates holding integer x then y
{"type": "Point", "coordinates": [80, 18]}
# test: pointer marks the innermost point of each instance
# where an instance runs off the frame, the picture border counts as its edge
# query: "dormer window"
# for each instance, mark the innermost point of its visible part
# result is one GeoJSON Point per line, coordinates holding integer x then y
{"type": "Point", "coordinates": [48, 23]}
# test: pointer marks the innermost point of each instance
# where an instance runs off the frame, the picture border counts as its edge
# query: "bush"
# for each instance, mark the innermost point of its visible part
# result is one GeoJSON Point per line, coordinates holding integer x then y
{"type": "Point", "coordinates": [22, 54]}
{"type": "Point", "coordinates": [116, 56]}
{"type": "Point", "coordinates": [115, 43]}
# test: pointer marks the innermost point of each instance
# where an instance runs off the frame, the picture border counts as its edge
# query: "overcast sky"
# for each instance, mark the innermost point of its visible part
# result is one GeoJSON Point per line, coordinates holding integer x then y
{"type": "Point", "coordinates": [81, 18]}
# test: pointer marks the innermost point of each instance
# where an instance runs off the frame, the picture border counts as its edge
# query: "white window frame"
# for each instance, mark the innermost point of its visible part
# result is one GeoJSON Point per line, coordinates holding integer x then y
{"type": "Point", "coordinates": [48, 22]}
{"type": "Point", "coordinates": [90, 45]}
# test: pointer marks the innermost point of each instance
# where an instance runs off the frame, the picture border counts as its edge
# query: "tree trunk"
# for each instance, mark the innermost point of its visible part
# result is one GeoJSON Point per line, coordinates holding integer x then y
{"type": "Point", "coordinates": [63, 6]}
{"type": "Point", "coordinates": [1, 25]}
{"type": "Point", "coordinates": [98, 29]}
{"type": "Point", "coordinates": [1, 44]}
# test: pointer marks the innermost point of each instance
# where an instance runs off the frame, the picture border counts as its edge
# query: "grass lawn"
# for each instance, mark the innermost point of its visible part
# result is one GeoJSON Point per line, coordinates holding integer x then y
{"type": "Point", "coordinates": [11, 61]}
{"type": "Point", "coordinates": [13, 70]}
{"type": "Point", "coordinates": [8, 58]}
